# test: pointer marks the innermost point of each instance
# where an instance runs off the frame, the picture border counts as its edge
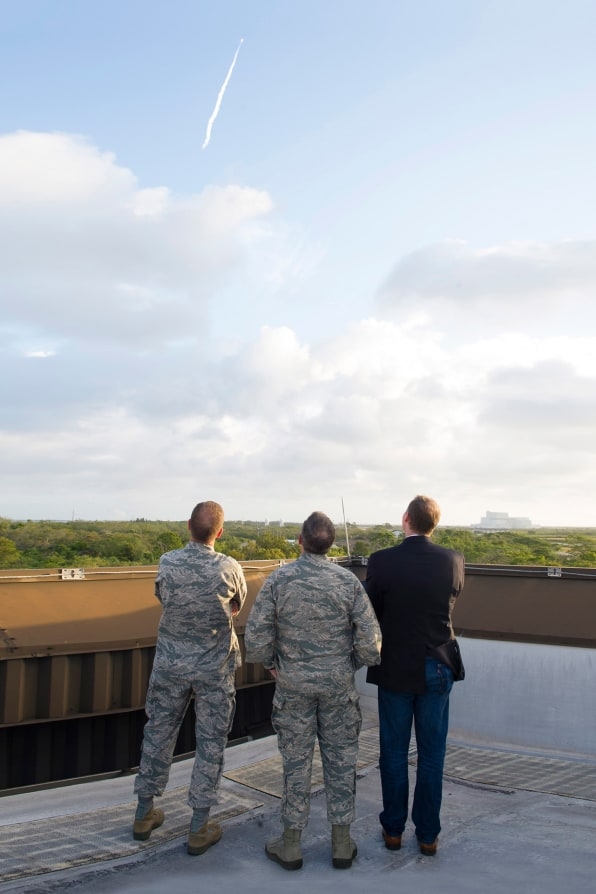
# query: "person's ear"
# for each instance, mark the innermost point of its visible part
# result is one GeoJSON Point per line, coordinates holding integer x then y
{"type": "Point", "coordinates": [219, 533]}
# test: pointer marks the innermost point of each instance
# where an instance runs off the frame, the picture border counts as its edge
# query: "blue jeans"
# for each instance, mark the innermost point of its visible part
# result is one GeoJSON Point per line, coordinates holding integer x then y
{"type": "Point", "coordinates": [430, 714]}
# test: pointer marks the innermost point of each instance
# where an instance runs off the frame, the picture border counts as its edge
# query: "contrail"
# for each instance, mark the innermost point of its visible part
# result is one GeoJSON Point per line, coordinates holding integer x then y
{"type": "Point", "coordinates": [220, 96]}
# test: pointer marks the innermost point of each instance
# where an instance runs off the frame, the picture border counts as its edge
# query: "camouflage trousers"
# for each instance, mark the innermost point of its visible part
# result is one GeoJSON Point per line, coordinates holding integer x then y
{"type": "Point", "coordinates": [335, 719]}
{"type": "Point", "coordinates": [168, 698]}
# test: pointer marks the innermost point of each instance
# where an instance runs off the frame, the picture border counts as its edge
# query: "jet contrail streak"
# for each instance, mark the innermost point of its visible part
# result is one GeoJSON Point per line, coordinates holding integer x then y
{"type": "Point", "coordinates": [220, 96]}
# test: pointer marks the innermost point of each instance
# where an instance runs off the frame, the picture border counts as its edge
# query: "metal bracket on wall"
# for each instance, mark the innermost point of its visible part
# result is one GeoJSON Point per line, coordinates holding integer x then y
{"type": "Point", "coordinates": [72, 573]}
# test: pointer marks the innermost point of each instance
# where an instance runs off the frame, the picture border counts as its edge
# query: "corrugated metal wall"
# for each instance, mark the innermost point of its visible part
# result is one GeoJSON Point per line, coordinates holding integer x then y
{"type": "Point", "coordinates": [75, 659]}
{"type": "Point", "coordinates": [76, 651]}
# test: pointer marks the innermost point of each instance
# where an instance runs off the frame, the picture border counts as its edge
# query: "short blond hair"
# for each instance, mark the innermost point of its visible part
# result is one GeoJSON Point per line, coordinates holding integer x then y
{"type": "Point", "coordinates": [206, 521]}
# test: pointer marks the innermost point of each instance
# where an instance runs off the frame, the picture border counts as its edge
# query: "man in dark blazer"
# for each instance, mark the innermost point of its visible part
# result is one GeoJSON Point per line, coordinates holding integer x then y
{"type": "Point", "coordinates": [413, 588]}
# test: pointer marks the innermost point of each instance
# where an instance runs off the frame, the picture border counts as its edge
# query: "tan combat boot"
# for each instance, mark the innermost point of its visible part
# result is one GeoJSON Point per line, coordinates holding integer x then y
{"type": "Point", "coordinates": [286, 850]}
{"type": "Point", "coordinates": [143, 828]}
{"type": "Point", "coordinates": [199, 842]}
{"type": "Point", "coordinates": [343, 847]}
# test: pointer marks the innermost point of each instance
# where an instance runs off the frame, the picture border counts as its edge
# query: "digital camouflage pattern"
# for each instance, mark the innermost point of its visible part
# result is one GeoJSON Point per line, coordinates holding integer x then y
{"type": "Point", "coordinates": [167, 701]}
{"type": "Point", "coordinates": [336, 720]}
{"type": "Point", "coordinates": [198, 589]}
{"type": "Point", "coordinates": [197, 653]}
{"type": "Point", "coordinates": [313, 623]}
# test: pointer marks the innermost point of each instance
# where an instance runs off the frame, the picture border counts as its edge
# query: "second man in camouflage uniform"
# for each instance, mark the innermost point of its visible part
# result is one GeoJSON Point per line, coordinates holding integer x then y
{"type": "Point", "coordinates": [312, 625]}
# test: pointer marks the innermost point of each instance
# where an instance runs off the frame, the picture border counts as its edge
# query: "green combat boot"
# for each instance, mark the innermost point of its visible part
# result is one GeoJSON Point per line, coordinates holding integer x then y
{"type": "Point", "coordinates": [343, 847]}
{"type": "Point", "coordinates": [201, 841]}
{"type": "Point", "coordinates": [286, 850]}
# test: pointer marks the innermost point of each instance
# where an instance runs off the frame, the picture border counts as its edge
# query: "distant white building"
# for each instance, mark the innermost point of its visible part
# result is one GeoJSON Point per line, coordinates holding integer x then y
{"type": "Point", "coordinates": [502, 521]}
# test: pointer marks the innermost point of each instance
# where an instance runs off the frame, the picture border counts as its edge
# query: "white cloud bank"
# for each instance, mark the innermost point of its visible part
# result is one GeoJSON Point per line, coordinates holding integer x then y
{"type": "Point", "coordinates": [88, 254]}
{"type": "Point", "coordinates": [472, 379]}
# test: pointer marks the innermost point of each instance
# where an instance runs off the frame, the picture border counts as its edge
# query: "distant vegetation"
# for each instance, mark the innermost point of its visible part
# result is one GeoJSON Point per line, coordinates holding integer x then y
{"type": "Point", "coordinates": [45, 544]}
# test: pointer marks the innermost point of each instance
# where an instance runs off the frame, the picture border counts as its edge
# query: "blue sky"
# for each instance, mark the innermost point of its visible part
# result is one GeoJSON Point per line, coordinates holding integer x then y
{"type": "Point", "coordinates": [376, 280]}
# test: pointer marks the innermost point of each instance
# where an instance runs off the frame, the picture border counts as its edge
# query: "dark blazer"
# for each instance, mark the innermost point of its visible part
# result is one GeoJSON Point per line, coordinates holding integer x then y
{"type": "Point", "coordinates": [413, 588]}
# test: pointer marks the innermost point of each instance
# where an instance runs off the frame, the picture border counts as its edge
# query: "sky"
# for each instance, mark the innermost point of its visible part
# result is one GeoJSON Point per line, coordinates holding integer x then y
{"type": "Point", "coordinates": [298, 255]}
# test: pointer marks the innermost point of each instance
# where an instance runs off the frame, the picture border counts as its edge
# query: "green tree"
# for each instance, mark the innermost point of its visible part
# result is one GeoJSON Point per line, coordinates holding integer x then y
{"type": "Point", "coordinates": [270, 544]}
{"type": "Point", "coordinates": [10, 557]}
{"type": "Point", "coordinates": [169, 540]}
{"type": "Point", "coordinates": [123, 547]}
{"type": "Point", "coordinates": [41, 544]}
{"type": "Point", "coordinates": [382, 540]}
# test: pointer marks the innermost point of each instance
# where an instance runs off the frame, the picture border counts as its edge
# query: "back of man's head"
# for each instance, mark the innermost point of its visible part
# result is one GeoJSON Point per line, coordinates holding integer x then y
{"type": "Point", "coordinates": [423, 515]}
{"type": "Point", "coordinates": [206, 521]}
{"type": "Point", "coordinates": [318, 534]}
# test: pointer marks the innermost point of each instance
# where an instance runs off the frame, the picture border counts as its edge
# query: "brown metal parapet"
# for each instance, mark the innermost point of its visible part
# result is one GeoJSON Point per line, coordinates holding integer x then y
{"type": "Point", "coordinates": [77, 645]}
{"type": "Point", "coordinates": [532, 604]}
{"type": "Point", "coordinates": [522, 603]}
{"type": "Point", "coordinates": [43, 613]}
{"type": "Point", "coordinates": [81, 646]}
{"type": "Point", "coordinates": [76, 651]}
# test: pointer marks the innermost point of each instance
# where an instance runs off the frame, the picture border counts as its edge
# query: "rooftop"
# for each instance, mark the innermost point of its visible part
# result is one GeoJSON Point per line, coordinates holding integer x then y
{"type": "Point", "coordinates": [512, 820]}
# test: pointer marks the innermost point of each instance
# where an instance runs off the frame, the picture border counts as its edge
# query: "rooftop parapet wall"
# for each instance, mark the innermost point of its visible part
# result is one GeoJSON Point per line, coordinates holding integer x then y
{"type": "Point", "coordinates": [523, 603]}
{"type": "Point", "coordinates": [46, 613]}
{"type": "Point", "coordinates": [50, 612]}
{"type": "Point", "coordinates": [76, 650]}
{"type": "Point", "coordinates": [84, 646]}
{"type": "Point", "coordinates": [553, 606]}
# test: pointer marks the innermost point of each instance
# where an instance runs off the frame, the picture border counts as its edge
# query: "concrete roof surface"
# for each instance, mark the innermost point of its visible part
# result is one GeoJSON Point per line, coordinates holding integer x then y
{"type": "Point", "coordinates": [496, 837]}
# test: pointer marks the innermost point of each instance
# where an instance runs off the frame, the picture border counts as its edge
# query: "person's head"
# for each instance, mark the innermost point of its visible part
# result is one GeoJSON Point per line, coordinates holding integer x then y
{"type": "Point", "coordinates": [422, 515]}
{"type": "Point", "coordinates": [318, 534]}
{"type": "Point", "coordinates": [206, 522]}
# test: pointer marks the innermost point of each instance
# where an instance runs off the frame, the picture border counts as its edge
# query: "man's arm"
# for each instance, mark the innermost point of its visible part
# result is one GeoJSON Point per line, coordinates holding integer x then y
{"type": "Point", "coordinates": [259, 635]}
{"type": "Point", "coordinates": [366, 631]}
{"type": "Point", "coordinates": [239, 597]}
{"type": "Point", "coordinates": [158, 585]}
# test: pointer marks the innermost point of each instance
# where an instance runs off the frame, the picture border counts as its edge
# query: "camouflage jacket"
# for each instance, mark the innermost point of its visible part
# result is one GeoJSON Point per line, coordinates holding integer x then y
{"type": "Point", "coordinates": [198, 588]}
{"type": "Point", "coordinates": [313, 622]}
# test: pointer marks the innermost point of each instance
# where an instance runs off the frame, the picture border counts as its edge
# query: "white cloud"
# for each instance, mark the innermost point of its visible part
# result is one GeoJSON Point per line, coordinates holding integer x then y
{"type": "Point", "coordinates": [474, 381]}
{"type": "Point", "coordinates": [453, 270]}
{"type": "Point", "coordinates": [86, 253]}
{"type": "Point", "coordinates": [478, 438]}
{"type": "Point", "coordinates": [505, 288]}
{"type": "Point", "coordinates": [56, 169]}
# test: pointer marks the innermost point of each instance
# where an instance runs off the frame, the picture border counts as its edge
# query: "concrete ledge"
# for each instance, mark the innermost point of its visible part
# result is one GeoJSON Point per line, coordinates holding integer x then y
{"type": "Point", "coordinates": [533, 696]}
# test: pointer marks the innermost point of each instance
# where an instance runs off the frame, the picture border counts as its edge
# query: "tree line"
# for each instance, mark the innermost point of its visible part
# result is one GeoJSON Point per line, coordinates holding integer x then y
{"type": "Point", "coordinates": [89, 544]}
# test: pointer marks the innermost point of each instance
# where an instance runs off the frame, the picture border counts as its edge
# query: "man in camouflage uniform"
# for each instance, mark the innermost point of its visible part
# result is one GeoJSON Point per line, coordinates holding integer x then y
{"type": "Point", "coordinates": [197, 654]}
{"type": "Point", "coordinates": [312, 625]}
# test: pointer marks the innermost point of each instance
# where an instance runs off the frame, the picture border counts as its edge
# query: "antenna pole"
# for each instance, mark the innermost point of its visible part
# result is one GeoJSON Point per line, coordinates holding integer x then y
{"type": "Point", "coordinates": [346, 529]}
